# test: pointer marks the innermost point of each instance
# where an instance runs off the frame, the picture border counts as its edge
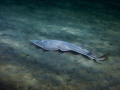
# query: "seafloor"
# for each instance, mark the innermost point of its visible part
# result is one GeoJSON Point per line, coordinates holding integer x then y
{"type": "Point", "coordinates": [23, 66]}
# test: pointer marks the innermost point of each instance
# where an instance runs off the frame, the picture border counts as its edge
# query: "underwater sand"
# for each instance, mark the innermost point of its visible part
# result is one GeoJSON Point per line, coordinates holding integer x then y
{"type": "Point", "coordinates": [23, 66]}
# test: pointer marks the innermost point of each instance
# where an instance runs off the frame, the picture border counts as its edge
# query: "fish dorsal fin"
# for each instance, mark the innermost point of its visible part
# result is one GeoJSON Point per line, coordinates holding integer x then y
{"type": "Point", "coordinates": [83, 45]}
{"type": "Point", "coordinates": [90, 53]}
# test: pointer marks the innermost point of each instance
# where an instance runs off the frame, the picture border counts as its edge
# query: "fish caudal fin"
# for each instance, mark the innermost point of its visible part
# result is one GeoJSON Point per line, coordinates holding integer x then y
{"type": "Point", "coordinates": [105, 56]}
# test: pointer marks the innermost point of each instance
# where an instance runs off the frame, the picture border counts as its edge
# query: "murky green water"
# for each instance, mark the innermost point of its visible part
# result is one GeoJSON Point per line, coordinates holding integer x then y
{"type": "Point", "coordinates": [23, 66]}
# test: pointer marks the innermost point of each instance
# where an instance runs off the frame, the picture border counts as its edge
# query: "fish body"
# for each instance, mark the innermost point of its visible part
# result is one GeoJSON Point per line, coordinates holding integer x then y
{"type": "Point", "coordinates": [53, 45]}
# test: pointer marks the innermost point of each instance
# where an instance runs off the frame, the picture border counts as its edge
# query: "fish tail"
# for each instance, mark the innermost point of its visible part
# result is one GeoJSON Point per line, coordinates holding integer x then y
{"type": "Point", "coordinates": [104, 57]}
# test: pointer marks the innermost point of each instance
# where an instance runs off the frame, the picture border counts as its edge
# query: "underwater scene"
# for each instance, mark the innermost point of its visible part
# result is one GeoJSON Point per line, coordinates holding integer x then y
{"type": "Point", "coordinates": [60, 45]}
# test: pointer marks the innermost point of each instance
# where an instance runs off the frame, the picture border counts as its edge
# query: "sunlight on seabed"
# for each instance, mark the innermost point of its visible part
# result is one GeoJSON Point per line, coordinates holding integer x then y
{"type": "Point", "coordinates": [18, 46]}
{"type": "Point", "coordinates": [10, 70]}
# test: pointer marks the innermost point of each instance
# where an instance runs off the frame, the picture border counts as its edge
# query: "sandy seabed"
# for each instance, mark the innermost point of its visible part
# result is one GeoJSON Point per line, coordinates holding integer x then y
{"type": "Point", "coordinates": [23, 66]}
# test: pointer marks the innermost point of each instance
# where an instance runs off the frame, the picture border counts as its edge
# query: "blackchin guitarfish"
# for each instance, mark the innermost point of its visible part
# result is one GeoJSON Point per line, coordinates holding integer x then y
{"type": "Point", "coordinates": [52, 45]}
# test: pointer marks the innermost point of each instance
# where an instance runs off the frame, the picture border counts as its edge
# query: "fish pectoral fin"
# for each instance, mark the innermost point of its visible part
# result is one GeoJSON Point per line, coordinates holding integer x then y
{"type": "Point", "coordinates": [63, 48]}
{"type": "Point", "coordinates": [104, 57]}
